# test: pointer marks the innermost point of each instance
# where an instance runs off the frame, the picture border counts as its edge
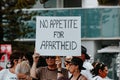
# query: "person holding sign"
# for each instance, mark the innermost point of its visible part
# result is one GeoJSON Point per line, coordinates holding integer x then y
{"type": "Point", "coordinates": [48, 72]}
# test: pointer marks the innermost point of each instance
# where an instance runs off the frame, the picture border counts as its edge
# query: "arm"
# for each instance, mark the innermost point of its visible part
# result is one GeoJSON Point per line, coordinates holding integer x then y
{"type": "Point", "coordinates": [60, 76]}
{"type": "Point", "coordinates": [33, 68]}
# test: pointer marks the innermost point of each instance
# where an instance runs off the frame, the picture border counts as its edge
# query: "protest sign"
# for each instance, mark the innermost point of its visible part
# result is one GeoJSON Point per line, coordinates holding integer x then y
{"type": "Point", "coordinates": [58, 35]}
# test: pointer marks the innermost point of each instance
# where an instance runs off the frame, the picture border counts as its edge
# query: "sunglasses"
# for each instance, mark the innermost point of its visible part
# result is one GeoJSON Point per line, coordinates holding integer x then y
{"type": "Point", "coordinates": [52, 57]}
{"type": "Point", "coordinates": [67, 62]}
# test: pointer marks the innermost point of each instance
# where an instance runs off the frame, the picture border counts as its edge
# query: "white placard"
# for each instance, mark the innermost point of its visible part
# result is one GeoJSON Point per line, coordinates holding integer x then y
{"type": "Point", "coordinates": [58, 36]}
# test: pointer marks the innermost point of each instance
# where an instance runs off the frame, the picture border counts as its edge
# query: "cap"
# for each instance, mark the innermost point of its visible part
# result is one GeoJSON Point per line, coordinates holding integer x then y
{"type": "Point", "coordinates": [84, 51]}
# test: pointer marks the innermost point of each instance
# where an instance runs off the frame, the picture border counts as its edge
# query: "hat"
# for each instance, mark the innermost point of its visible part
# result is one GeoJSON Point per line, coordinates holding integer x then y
{"type": "Point", "coordinates": [77, 61]}
{"type": "Point", "coordinates": [84, 51]}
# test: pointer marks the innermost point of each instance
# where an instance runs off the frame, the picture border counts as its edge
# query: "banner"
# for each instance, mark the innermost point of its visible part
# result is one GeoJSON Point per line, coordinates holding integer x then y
{"type": "Point", "coordinates": [6, 49]}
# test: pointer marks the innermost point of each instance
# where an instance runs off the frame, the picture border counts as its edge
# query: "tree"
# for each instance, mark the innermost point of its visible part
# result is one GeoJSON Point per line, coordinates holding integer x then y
{"type": "Point", "coordinates": [11, 26]}
{"type": "Point", "coordinates": [1, 29]}
{"type": "Point", "coordinates": [12, 22]}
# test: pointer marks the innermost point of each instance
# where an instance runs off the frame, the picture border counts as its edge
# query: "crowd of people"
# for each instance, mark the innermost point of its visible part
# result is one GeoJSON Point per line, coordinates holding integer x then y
{"type": "Point", "coordinates": [32, 66]}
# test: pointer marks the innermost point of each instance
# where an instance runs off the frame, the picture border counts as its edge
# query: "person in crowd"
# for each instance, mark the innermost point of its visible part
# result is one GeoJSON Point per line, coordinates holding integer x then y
{"type": "Point", "coordinates": [100, 72]}
{"type": "Point", "coordinates": [23, 67]}
{"type": "Point", "coordinates": [67, 61]}
{"type": "Point", "coordinates": [9, 74]}
{"type": "Point", "coordinates": [48, 72]}
{"type": "Point", "coordinates": [25, 64]}
{"type": "Point", "coordinates": [85, 57]}
{"type": "Point", "coordinates": [94, 65]}
{"type": "Point", "coordinates": [87, 66]}
{"type": "Point", "coordinates": [75, 68]}
{"type": "Point", "coordinates": [15, 59]}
